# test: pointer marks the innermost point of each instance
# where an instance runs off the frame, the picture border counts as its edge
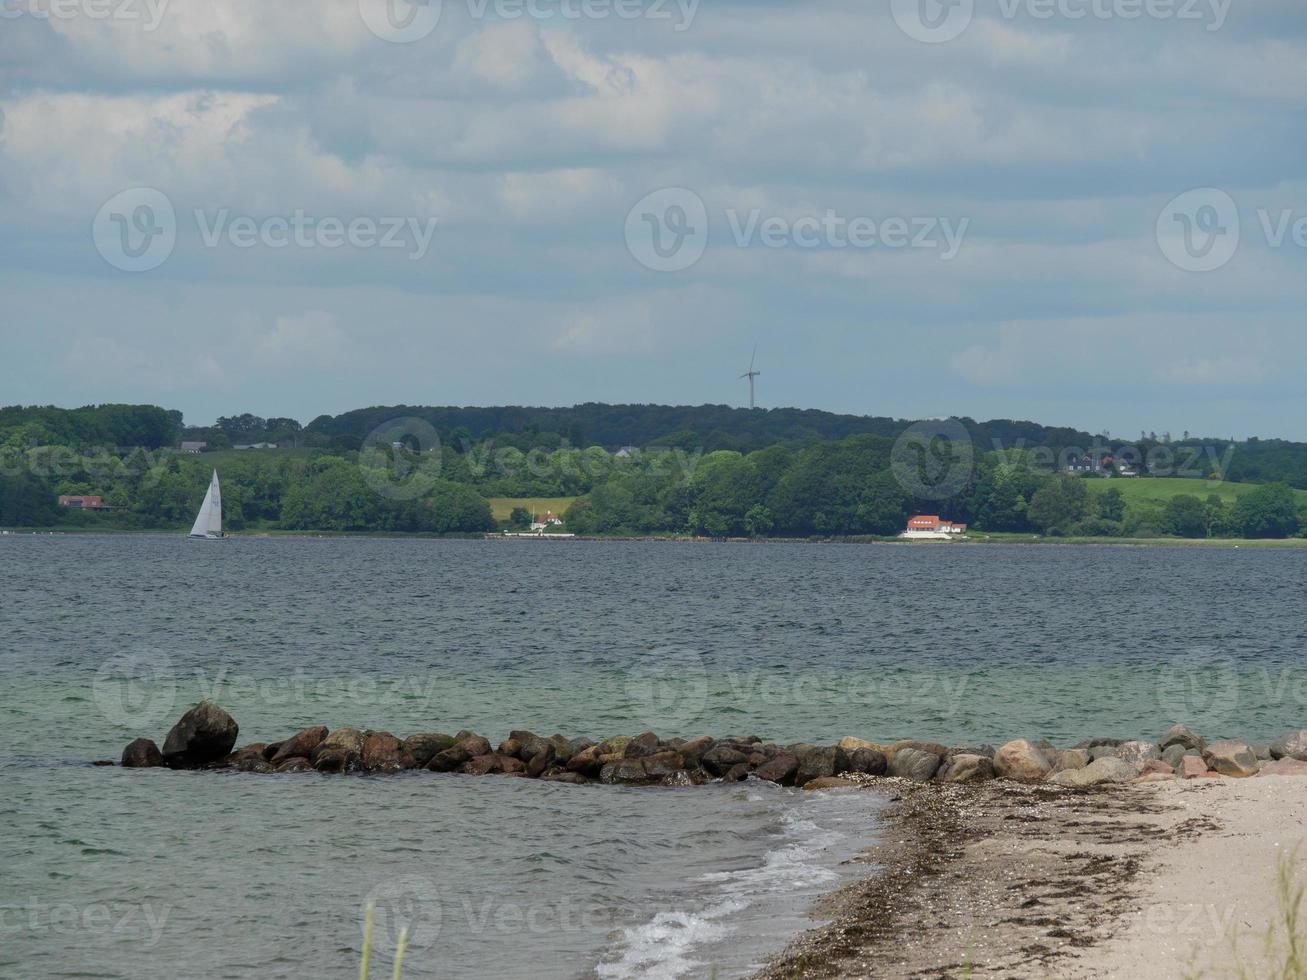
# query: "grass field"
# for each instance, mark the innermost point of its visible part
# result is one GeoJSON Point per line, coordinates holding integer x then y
{"type": "Point", "coordinates": [1161, 489]}
{"type": "Point", "coordinates": [501, 507]}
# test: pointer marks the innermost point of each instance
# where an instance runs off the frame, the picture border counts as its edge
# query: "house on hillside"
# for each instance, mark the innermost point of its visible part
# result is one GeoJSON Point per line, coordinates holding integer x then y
{"type": "Point", "coordinates": [194, 447]}
{"type": "Point", "coordinates": [78, 502]}
{"type": "Point", "coordinates": [931, 526]}
{"type": "Point", "coordinates": [548, 519]}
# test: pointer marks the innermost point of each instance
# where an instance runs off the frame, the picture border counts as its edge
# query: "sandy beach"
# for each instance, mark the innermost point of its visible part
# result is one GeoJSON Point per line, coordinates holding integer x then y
{"type": "Point", "coordinates": [1173, 879]}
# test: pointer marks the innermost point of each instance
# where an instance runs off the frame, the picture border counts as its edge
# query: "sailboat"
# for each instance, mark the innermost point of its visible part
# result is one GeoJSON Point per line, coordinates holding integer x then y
{"type": "Point", "coordinates": [208, 523]}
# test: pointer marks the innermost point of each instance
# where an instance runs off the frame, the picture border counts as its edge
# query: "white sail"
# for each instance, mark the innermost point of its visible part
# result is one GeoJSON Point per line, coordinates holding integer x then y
{"type": "Point", "coordinates": [208, 523]}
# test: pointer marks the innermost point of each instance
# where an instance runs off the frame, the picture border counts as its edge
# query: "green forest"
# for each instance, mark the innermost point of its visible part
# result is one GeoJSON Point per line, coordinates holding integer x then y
{"type": "Point", "coordinates": [640, 470]}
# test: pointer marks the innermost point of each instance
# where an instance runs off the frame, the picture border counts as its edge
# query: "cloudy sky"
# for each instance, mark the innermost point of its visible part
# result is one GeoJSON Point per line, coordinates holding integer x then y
{"type": "Point", "coordinates": [912, 209]}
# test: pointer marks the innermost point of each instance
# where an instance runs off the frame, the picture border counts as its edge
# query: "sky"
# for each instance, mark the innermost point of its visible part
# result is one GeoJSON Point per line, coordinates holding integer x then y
{"type": "Point", "coordinates": [1081, 212]}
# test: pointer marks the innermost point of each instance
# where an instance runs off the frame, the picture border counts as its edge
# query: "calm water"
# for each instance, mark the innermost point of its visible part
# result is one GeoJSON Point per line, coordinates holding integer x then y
{"type": "Point", "coordinates": [142, 874]}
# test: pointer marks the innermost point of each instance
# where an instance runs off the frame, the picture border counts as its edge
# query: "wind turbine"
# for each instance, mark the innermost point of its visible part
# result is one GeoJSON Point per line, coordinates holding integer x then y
{"type": "Point", "coordinates": [751, 374]}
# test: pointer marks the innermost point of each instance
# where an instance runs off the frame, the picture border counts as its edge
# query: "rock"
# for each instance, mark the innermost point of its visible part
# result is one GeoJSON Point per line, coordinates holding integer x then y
{"type": "Point", "coordinates": [1072, 759]}
{"type": "Point", "coordinates": [934, 748]}
{"type": "Point", "coordinates": [869, 761]}
{"type": "Point", "coordinates": [575, 778]}
{"type": "Point", "coordinates": [336, 758]}
{"type": "Point", "coordinates": [1102, 752]}
{"type": "Point", "coordinates": [1192, 766]}
{"type": "Point", "coordinates": [830, 782]}
{"type": "Point", "coordinates": [966, 768]}
{"type": "Point", "coordinates": [850, 744]}
{"type": "Point", "coordinates": [577, 745]}
{"type": "Point", "coordinates": [736, 773]}
{"type": "Point", "coordinates": [614, 746]}
{"type": "Point", "coordinates": [585, 761]}
{"type": "Point", "coordinates": [721, 757]}
{"type": "Point", "coordinates": [202, 735]}
{"type": "Point", "coordinates": [302, 743]}
{"type": "Point", "coordinates": [1157, 765]}
{"type": "Point", "coordinates": [350, 739]}
{"type": "Point", "coordinates": [383, 752]}
{"type": "Point", "coordinates": [780, 769]}
{"type": "Point", "coordinates": [1291, 746]}
{"type": "Point", "coordinates": [141, 753]}
{"type": "Point", "coordinates": [662, 764]}
{"type": "Point", "coordinates": [1137, 753]}
{"type": "Point", "coordinates": [492, 763]}
{"type": "Point", "coordinates": [1172, 755]}
{"type": "Point", "coordinates": [424, 745]}
{"type": "Point", "coordinates": [461, 752]}
{"type": "Point", "coordinates": [623, 771]}
{"type": "Point", "coordinates": [695, 748]}
{"type": "Point", "coordinates": [541, 761]}
{"type": "Point", "coordinates": [295, 763]}
{"type": "Point", "coordinates": [254, 762]}
{"type": "Point", "coordinates": [1021, 760]}
{"type": "Point", "coordinates": [817, 761]}
{"type": "Point", "coordinates": [1283, 767]}
{"type": "Point", "coordinates": [681, 777]}
{"type": "Point", "coordinates": [641, 746]}
{"type": "Point", "coordinates": [1108, 769]}
{"type": "Point", "coordinates": [1181, 736]}
{"type": "Point", "coordinates": [912, 763]}
{"type": "Point", "coordinates": [529, 744]}
{"type": "Point", "coordinates": [1262, 750]}
{"type": "Point", "coordinates": [1231, 757]}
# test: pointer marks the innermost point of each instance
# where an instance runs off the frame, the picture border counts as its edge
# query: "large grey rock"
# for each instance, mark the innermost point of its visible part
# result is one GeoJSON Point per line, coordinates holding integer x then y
{"type": "Point", "coordinates": [1021, 760]}
{"type": "Point", "coordinates": [1231, 757]}
{"type": "Point", "coordinates": [141, 754]}
{"type": "Point", "coordinates": [722, 757]}
{"type": "Point", "coordinates": [642, 745]}
{"type": "Point", "coordinates": [1182, 736]}
{"type": "Point", "coordinates": [780, 769]}
{"type": "Point", "coordinates": [966, 768]}
{"type": "Point", "coordinates": [869, 761]}
{"type": "Point", "coordinates": [819, 761]}
{"type": "Point", "coordinates": [915, 764]}
{"type": "Point", "coordinates": [1138, 753]}
{"type": "Point", "coordinates": [424, 745]}
{"type": "Point", "coordinates": [204, 734]}
{"type": "Point", "coordinates": [1072, 759]}
{"type": "Point", "coordinates": [1172, 755]}
{"type": "Point", "coordinates": [1291, 746]}
{"type": "Point", "coordinates": [347, 739]}
{"type": "Point", "coordinates": [1108, 769]}
{"type": "Point", "coordinates": [383, 752]}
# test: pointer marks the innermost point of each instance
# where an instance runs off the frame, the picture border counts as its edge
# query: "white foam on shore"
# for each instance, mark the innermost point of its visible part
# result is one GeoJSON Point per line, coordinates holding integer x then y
{"type": "Point", "coordinates": [732, 921]}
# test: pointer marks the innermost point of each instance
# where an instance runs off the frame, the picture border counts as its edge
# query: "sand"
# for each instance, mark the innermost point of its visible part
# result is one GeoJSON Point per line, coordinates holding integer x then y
{"type": "Point", "coordinates": [1000, 880]}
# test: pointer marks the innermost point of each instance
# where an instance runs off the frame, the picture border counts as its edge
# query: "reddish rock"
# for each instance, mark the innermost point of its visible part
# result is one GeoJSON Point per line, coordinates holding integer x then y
{"type": "Point", "coordinates": [541, 761]}
{"type": "Point", "coordinates": [1191, 767]}
{"type": "Point", "coordinates": [830, 782]}
{"type": "Point", "coordinates": [575, 778]}
{"type": "Point", "coordinates": [1286, 766]}
{"type": "Point", "coordinates": [295, 764]}
{"type": "Point", "coordinates": [336, 758]}
{"type": "Point", "coordinates": [459, 753]}
{"type": "Point", "coordinates": [492, 763]}
{"type": "Point", "coordinates": [642, 745]}
{"type": "Point", "coordinates": [662, 764]}
{"type": "Point", "coordinates": [1158, 766]}
{"type": "Point", "coordinates": [780, 769]}
{"type": "Point", "coordinates": [302, 743]}
{"type": "Point", "coordinates": [585, 762]}
{"type": "Point", "coordinates": [1021, 760]}
{"type": "Point", "coordinates": [383, 752]}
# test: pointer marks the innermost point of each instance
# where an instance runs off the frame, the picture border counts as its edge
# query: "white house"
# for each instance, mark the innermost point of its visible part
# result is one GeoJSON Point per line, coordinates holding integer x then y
{"type": "Point", "coordinates": [930, 526]}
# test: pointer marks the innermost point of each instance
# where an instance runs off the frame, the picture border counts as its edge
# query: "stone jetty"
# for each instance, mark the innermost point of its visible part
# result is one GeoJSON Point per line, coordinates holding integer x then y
{"type": "Point", "coordinates": [205, 738]}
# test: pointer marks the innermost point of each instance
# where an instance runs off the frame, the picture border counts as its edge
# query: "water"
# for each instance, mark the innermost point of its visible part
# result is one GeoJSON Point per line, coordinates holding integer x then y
{"type": "Point", "coordinates": [118, 873]}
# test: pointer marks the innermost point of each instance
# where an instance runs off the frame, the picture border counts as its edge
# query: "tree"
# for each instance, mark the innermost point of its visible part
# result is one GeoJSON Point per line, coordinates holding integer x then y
{"type": "Point", "coordinates": [1111, 505]}
{"type": "Point", "coordinates": [758, 521]}
{"type": "Point", "coordinates": [1060, 502]}
{"type": "Point", "coordinates": [519, 517]}
{"type": "Point", "coordinates": [1186, 516]}
{"type": "Point", "coordinates": [1267, 512]}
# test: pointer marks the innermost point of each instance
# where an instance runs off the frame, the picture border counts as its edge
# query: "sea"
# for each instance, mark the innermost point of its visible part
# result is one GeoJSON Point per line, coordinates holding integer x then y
{"type": "Point", "coordinates": [106, 872]}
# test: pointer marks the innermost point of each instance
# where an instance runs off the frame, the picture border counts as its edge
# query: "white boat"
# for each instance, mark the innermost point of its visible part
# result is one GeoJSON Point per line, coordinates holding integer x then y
{"type": "Point", "coordinates": [208, 523]}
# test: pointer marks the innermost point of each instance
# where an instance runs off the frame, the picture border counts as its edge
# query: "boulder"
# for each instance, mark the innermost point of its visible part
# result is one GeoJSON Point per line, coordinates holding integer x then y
{"type": "Point", "coordinates": [780, 769]}
{"type": "Point", "coordinates": [202, 735]}
{"type": "Point", "coordinates": [822, 760]}
{"type": "Point", "coordinates": [1291, 746]}
{"type": "Point", "coordinates": [1108, 769]}
{"type": "Point", "coordinates": [1230, 757]}
{"type": "Point", "coordinates": [336, 758]}
{"type": "Point", "coordinates": [575, 778]}
{"type": "Point", "coordinates": [424, 745]}
{"type": "Point", "coordinates": [966, 768]}
{"type": "Point", "coordinates": [1283, 767]}
{"type": "Point", "coordinates": [141, 753]}
{"type": "Point", "coordinates": [1192, 766]}
{"type": "Point", "coordinates": [662, 764]}
{"type": "Point", "coordinates": [461, 752]}
{"type": "Point", "coordinates": [1181, 736]}
{"type": "Point", "coordinates": [935, 748]}
{"type": "Point", "coordinates": [1137, 753]}
{"type": "Point", "coordinates": [913, 763]}
{"type": "Point", "coordinates": [623, 771]}
{"type": "Point", "coordinates": [492, 763]}
{"type": "Point", "coordinates": [253, 762]}
{"type": "Point", "coordinates": [1172, 755]}
{"type": "Point", "coordinates": [302, 743]}
{"type": "Point", "coordinates": [295, 763]}
{"type": "Point", "coordinates": [1102, 752]}
{"type": "Point", "coordinates": [737, 773]}
{"type": "Point", "coordinates": [383, 752]}
{"type": "Point", "coordinates": [350, 739]}
{"type": "Point", "coordinates": [586, 761]}
{"type": "Point", "coordinates": [830, 782]}
{"type": "Point", "coordinates": [850, 744]}
{"type": "Point", "coordinates": [681, 777]}
{"type": "Point", "coordinates": [869, 761]}
{"type": "Point", "coordinates": [641, 746]}
{"type": "Point", "coordinates": [721, 757]}
{"type": "Point", "coordinates": [1072, 759]}
{"type": "Point", "coordinates": [1021, 760]}
{"type": "Point", "coordinates": [1262, 750]}
{"type": "Point", "coordinates": [529, 743]}
{"type": "Point", "coordinates": [541, 761]}
{"type": "Point", "coordinates": [614, 746]}
{"type": "Point", "coordinates": [695, 749]}
{"type": "Point", "coordinates": [1157, 765]}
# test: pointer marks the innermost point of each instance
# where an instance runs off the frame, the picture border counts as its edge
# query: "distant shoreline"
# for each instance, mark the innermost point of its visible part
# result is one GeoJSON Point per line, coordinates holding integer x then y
{"type": "Point", "coordinates": [985, 540]}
